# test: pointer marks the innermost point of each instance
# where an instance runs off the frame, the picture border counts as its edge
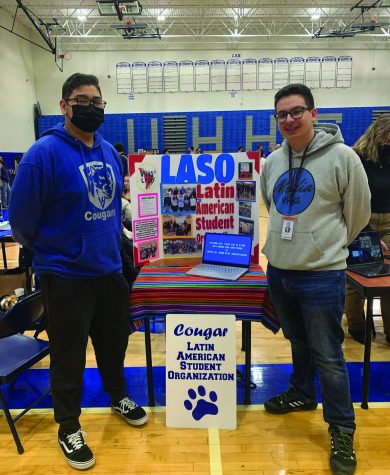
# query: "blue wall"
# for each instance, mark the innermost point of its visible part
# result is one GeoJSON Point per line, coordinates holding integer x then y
{"type": "Point", "coordinates": [353, 122]}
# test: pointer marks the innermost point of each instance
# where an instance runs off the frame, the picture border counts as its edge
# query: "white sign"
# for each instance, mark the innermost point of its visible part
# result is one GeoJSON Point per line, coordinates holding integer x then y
{"type": "Point", "coordinates": [201, 387]}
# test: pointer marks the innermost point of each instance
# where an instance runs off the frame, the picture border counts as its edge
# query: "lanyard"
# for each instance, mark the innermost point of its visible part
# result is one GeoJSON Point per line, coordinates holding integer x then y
{"type": "Point", "coordinates": [294, 179]}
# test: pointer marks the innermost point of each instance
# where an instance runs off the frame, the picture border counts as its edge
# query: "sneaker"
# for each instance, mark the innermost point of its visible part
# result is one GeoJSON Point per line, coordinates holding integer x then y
{"type": "Point", "coordinates": [76, 451]}
{"type": "Point", "coordinates": [130, 411]}
{"type": "Point", "coordinates": [358, 335]}
{"type": "Point", "coordinates": [342, 457]}
{"type": "Point", "coordinates": [289, 401]}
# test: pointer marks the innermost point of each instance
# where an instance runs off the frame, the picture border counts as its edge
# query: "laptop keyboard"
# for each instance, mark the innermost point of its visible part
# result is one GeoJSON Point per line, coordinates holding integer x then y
{"type": "Point", "coordinates": [375, 268]}
{"type": "Point", "coordinates": [215, 268]}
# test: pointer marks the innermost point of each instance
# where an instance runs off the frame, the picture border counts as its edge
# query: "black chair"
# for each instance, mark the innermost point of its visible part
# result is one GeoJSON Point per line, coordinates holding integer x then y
{"type": "Point", "coordinates": [20, 352]}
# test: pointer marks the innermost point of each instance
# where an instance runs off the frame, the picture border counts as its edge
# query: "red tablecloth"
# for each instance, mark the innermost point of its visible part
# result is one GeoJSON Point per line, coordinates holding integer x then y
{"type": "Point", "coordinates": [161, 290]}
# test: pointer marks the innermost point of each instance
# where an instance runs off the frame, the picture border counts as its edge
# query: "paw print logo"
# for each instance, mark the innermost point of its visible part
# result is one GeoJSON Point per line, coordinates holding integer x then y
{"type": "Point", "coordinates": [203, 406]}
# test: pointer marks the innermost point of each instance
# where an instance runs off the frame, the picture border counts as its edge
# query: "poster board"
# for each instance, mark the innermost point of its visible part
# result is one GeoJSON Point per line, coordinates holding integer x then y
{"type": "Point", "coordinates": [201, 384]}
{"type": "Point", "coordinates": [176, 199]}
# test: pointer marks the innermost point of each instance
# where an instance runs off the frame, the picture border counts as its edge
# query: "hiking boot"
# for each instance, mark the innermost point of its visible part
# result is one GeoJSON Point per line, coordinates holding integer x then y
{"type": "Point", "coordinates": [76, 451]}
{"type": "Point", "coordinates": [342, 456]}
{"type": "Point", "coordinates": [289, 401]}
{"type": "Point", "coordinates": [130, 411]}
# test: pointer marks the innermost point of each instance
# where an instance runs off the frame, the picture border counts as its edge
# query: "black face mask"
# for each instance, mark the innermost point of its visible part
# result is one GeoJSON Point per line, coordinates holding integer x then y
{"type": "Point", "coordinates": [88, 118]}
{"type": "Point", "coordinates": [384, 153]}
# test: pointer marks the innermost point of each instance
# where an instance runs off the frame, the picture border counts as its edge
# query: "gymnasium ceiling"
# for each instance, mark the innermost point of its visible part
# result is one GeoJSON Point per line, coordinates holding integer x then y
{"type": "Point", "coordinates": [206, 24]}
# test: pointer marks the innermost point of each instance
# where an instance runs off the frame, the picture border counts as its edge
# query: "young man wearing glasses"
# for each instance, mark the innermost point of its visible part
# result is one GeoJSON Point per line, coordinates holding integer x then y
{"type": "Point", "coordinates": [318, 199]}
{"type": "Point", "coordinates": [66, 205]}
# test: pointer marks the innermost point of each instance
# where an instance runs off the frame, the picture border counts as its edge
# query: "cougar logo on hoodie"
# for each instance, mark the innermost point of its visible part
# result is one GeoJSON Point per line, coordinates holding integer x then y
{"type": "Point", "coordinates": [100, 183]}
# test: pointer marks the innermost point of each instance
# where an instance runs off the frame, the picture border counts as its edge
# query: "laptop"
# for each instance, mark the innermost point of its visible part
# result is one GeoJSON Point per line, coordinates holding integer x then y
{"type": "Point", "coordinates": [366, 256]}
{"type": "Point", "coordinates": [225, 256]}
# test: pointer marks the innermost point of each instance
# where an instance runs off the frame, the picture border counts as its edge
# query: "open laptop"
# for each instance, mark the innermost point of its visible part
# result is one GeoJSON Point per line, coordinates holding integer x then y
{"type": "Point", "coordinates": [225, 256]}
{"type": "Point", "coordinates": [366, 256]}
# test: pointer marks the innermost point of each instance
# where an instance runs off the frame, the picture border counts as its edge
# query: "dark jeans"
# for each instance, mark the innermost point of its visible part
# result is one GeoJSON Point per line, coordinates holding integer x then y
{"type": "Point", "coordinates": [5, 194]}
{"type": "Point", "coordinates": [310, 307]}
{"type": "Point", "coordinates": [76, 309]}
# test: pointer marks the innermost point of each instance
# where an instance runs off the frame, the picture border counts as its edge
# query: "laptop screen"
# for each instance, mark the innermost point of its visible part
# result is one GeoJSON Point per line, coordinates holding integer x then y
{"type": "Point", "coordinates": [364, 249]}
{"type": "Point", "coordinates": [227, 249]}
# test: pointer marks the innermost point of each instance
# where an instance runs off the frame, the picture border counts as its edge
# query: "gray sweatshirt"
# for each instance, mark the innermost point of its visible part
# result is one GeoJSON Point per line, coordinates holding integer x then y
{"type": "Point", "coordinates": [331, 204]}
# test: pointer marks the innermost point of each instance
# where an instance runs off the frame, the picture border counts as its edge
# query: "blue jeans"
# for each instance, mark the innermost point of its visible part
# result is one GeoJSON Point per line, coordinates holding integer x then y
{"type": "Point", "coordinates": [5, 192]}
{"type": "Point", "coordinates": [310, 307]}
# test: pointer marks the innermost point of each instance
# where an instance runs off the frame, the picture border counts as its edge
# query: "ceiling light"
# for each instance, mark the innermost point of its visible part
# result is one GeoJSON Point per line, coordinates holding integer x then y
{"type": "Point", "coordinates": [161, 18]}
{"type": "Point", "coordinates": [316, 15]}
{"type": "Point", "coordinates": [82, 18]}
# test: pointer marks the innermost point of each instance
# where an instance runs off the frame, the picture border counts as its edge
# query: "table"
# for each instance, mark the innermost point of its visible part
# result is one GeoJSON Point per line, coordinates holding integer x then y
{"type": "Point", "coordinates": [168, 289]}
{"type": "Point", "coordinates": [369, 288]}
{"type": "Point", "coordinates": [5, 236]}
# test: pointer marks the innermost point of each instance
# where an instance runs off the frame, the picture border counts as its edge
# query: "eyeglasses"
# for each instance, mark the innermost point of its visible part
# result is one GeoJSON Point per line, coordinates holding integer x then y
{"type": "Point", "coordinates": [84, 102]}
{"type": "Point", "coordinates": [296, 113]}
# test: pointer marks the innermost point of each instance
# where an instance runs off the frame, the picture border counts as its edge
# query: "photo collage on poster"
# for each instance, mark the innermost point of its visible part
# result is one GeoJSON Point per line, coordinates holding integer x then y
{"type": "Point", "coordinates": [172, 210]}
{"type": "Point", "coordinates": [246, 195]}
{"type": "Point", "coordinates": [177, 224]}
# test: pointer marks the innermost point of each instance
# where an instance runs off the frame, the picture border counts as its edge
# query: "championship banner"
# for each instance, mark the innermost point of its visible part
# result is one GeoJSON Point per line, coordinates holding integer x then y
{"type": "Point", "coordinates": [176, 199]}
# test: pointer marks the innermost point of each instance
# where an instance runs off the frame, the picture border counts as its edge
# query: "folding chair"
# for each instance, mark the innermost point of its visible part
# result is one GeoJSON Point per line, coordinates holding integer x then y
{"type": "Point", "coordinates": [20, 352]}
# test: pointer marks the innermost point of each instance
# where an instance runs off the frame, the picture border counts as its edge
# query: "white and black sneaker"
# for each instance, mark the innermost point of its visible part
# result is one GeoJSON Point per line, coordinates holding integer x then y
{"type": "Point", "coordinates": [76, 451]}
{"type": "Point", "coordinates": [289, 401]}
{"type": "Point", "coordinates": [130, 411]}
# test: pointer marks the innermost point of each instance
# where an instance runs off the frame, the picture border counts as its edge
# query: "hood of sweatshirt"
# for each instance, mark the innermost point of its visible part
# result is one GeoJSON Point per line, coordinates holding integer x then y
{"type": "Point", "coordinates": [325, 135]}
{"type": "Point", "coordinates": [60, 131]}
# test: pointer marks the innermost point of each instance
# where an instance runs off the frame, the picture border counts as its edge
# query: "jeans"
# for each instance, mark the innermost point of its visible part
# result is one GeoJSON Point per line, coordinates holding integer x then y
{"type": "Point", "coordinates": [5, 192]}
{"type": "Point", "coordinates": [310, 307]}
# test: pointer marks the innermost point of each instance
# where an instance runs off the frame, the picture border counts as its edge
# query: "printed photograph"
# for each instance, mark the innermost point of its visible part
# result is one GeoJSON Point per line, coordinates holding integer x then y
{"type": "Point", "coordinates": [177, 225]}
{"type": "Point", "coordinates": [245, 209]}
{"type": "Point", "coordinates": [148, 250]}
{"type": "Point", "coordinates": [245, 170]}
{"type": "Point", "coordinates": [178, 199]}
{"type": "Point", "coordinates": [181, 247]}
{"type": "Point", "coordinates": [246, 190]}
{"type": "Point", "coordinates": [246, 226]}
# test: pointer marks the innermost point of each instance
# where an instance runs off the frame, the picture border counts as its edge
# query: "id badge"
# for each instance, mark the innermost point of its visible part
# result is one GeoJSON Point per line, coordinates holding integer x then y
{"type": "Point", "coordinates": [288, 227]}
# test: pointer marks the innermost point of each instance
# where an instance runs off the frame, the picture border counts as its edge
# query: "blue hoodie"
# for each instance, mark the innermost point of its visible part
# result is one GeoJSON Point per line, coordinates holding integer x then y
{"type": "Point", "coordinates": [66, 204]}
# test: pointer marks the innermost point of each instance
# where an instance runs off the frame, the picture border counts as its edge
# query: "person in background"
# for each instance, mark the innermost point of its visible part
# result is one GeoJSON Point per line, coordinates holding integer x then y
{"type": "Point", "coordinates": [130, 271]}
{"type": "Point", "coordinates": [66, 205]}
{"type": "Point", "coordinates": [259, 149]}
{"type": "Point", "coordinates": [191, 150]}
{"type": "Point", "coordinates": [125, 161]}
{"type": "Point", "coordinates": [198, 150]}
{"type": "Point", "coordinates": [4, 183]}
{"type": "Point", "coordinates": [126, 188]}
{"type": "Point", "coordinates": [126, 204]}
{"type": "Point", "coordinates": [270, 149]}
{"type": "Point", "coordinates": [277, 146]}
{"type": "Point", "coordinates": [262, 157]}
{"type": "Point", "coordinates": [373, 147]}
{"type": "Point", "coordinates": [317, 195]}
{"type": "Point", "coordinates": [240, 148]}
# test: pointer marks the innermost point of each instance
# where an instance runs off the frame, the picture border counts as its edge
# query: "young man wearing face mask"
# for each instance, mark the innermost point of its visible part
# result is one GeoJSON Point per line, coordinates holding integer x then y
{"type": "Point", "coordinates": [66, 205]}
{"type": "Point", "coordinates": [373, 147]}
